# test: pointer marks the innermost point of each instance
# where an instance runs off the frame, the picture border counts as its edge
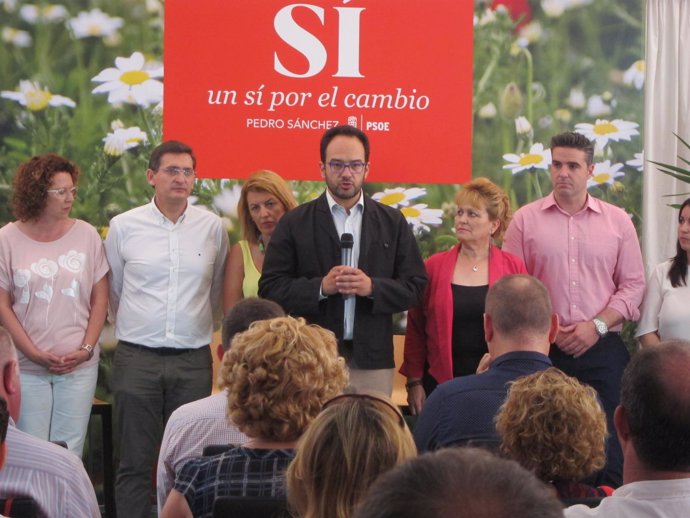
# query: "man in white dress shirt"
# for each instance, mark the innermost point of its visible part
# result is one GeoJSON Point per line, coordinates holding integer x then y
{"type": "Point", "coordinates": [201, 423]}
{"type": "Point", "coordinates": [653, 424]}
{"type": "Point", "coordinates": [53, 476]}
{"type": "Point", "coordinates": [166, 259]}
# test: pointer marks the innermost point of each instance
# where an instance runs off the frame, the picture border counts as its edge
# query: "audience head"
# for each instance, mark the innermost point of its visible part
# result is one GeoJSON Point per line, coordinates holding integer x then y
{"type": "Point", "coordinates": [347, 131]}
{"type": "Point", "coordinates": [245, 313]}
{"type": "Point", "coordinates": [482, 193]}
{"type": "Point", "coordinates": [554, 426]}
{"type": "Point", "coordinates": [173, 147]}
{"type": "Point", "coordinates": [356, 438]}
{"type": "Point", "coordinates": [574, 140]}
{"type": "Point", "coordinates": [32, 181]}
{"type": "Point", "coordinates": [459, 482]}
{"type": "Point", "coordinates": [278, 375]}
{"type": "Point", "coordinates": [518, 311]}
{"type": "Point", "coordinates": [275, 193]}
{"type": "Point", "coordinates": [678, 273]}
{"type": "Point", "coordinates": [654, 411]}
{"type": "Point", "coordinates": [10, 389]}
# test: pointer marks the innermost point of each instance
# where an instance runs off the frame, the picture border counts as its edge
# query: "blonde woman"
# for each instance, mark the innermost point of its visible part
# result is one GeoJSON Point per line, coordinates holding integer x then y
{"type": "Point", "coordinates": [265, 197]}
{"type": "Point", "coordinates": [554, 426]}
{"type": "Point", "coordinates": [278, 375]}
{"type": "Point", "coordinates": [355, 439]}
{"type": "Point", "coordinates": [445, 335]}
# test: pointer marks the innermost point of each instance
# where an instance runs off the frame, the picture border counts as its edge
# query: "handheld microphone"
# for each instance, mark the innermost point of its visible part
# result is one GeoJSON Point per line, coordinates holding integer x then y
{"type": "Point", "coordinates": [346, 243]}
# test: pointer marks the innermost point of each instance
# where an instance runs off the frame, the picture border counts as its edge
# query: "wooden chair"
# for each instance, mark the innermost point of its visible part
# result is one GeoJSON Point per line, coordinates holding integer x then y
{"type": "Point", "coordinates": [18, 507]}
{"type": "Point", "coordinates": [250, 507]}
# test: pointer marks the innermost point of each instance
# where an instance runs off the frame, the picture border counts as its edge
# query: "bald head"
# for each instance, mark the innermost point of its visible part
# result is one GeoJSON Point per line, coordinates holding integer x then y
{"type": "Point", "coordinates": [519, 307]}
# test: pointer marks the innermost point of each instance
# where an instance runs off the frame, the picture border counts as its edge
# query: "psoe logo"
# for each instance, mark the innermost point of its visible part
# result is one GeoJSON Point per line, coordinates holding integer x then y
{"type": "Point", "coordinates": [312, 48]}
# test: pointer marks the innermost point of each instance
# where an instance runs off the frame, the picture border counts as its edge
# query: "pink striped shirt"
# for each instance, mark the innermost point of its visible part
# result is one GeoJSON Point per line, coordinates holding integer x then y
{"type": "Point", "coordinates": [588, 261]}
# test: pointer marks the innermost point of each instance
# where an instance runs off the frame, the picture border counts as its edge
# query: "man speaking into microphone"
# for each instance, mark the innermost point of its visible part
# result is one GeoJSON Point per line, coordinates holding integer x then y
{"type": "Point", "coordinates": [305, 268]}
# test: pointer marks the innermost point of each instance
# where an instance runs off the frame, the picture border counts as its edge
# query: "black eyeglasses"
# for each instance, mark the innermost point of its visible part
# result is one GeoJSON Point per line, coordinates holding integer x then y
{"type": "Point", "coordinates": [338, 166]}
{"type": "Point", "coordinates": [367, 397]}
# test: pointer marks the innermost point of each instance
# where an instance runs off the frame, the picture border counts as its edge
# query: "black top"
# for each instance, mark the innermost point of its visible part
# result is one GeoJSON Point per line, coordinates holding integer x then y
{"type": "Point", "coordinates": [468, 328]}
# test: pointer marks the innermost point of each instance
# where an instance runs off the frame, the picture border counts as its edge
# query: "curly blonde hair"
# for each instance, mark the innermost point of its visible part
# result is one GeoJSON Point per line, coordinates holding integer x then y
{"type": "Point", "coordinates": [554, 426]}
{"type": "Point", "coordinates": [262, 181]}
{"type": "Point", "coordinates": [347, 447]}
{"type": "Point", "coordinates": [278, 374]}
{"type": "Point", "coordinates": [482, 192]}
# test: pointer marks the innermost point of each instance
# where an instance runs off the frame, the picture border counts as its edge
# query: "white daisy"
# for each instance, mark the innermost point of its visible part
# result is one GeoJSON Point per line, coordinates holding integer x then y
{"type": "Point", "coordinates": [604, 174]}
{"type": "Point", "coordinates": [553, 8]}
{"type": "Point", "coordinates": [35, 98]}
{"type": "Point", "coordinates": [398, 196]}
{"type": "Point", "coordinates": [537, 157]}
{"type": "Point", "coordinates": [576, 99]}
{"type": "Point", "coordinates": [488, 111]}
{"type": "Point", "coordinates": [9, 5]}
{"type": "Point", "coordinates": [121, 139]}
{"type": "Point", "coordinates": [420, 217]}
{"type": "Point", "coordinates": [532, 31]}
{"type": "Point", "coordinates": [226, 201]}
{"type": "Point", "coordinates": [131, 82]}
{"type": "Point", "coordinates": [46, 13]}
{"type": "Point", "coordinates": [21, 39]}
{"type": "Point", "coordinates": [634, 76]}
{"type": "Point", "coordinates": [94, 23]}
{"type": "Point", "coordinates": [596, 107]}
{"type": "Point", "coordinates": [637, 162]}
{"type": "Point", "coordinates": [523, 127]}
{"type": "Point", "coordinates": [604, 130]}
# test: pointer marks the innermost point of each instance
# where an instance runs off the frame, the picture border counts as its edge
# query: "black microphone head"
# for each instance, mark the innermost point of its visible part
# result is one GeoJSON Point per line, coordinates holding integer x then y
{"type": "Point", "coordinates": [346, 240]}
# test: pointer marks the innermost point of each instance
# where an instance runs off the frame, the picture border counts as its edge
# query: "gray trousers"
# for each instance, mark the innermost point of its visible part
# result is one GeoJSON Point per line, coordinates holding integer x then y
{"type": "Point", "coordinates": [147, 387]}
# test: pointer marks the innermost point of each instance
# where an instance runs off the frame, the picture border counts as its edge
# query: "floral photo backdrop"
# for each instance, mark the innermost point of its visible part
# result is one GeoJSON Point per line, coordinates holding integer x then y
{"type": "Point", "coordinates": [85, 79]}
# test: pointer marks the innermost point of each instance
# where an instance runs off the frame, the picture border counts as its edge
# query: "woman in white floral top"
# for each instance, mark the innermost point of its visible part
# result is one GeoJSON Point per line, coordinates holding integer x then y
{"type": "Point", "coordinates": [53, 300]}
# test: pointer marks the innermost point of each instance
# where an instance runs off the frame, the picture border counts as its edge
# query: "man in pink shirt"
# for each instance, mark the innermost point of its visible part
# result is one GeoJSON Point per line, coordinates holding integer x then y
{"type": "Point", "coordinates": [587, 254]}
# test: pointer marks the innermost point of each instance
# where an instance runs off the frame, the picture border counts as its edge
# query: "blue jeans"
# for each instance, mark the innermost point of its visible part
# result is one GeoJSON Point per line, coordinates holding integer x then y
{"type": "Point", "coordinates": [57, 407]}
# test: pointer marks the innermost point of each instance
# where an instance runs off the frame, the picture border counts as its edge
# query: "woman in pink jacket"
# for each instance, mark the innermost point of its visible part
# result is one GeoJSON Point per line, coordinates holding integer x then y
{"type": "Point", "coordinates": [445, 335]}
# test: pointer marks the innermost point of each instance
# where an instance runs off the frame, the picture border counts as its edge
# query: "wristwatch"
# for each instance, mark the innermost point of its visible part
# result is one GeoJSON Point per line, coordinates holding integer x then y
{"type": "Point", "coordinates": [601, 327]}
{"type": "Point", "coordinates": [88, 348]}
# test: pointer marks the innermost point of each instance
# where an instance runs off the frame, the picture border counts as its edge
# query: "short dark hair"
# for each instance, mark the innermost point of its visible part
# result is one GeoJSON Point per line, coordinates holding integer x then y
{"type": "Point", "coordinates": [519, 304]}
{"type": "Point", "coordinates": [348, 131]}
{"type": "Point", "coordinates": [438, 484]}
{"type": "Point", "coordinates": [577, 141]}
{"type": "Point", "coordinates": [678, 273]}
{"type": "Point", "coordinates": [4, 419]}
{"type": "Point", "coordinates": [174, 147]}
{"type": "Point", "coordinates": [245, 313]}
{"type": "Point", "coordinates": [655, 396]}
{"type": "Point", "coordinates": [31, 181]}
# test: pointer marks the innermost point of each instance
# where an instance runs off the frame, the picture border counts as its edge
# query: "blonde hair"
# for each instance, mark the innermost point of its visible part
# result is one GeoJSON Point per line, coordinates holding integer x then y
{"type": "Point", "coordinates": [483, 193]}
{"type": "Point", "coordinates": [554, 426]}
{"type": "Point", "coordinates": [263, 181]}
{"type": "Point", "coordinates": [343, 452]}
{"type": "Point", "coordinates": [278, 374]}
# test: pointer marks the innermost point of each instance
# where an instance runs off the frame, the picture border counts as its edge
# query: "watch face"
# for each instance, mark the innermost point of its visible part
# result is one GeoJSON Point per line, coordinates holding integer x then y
{"type": "Point", "coordinates": [601, 327]}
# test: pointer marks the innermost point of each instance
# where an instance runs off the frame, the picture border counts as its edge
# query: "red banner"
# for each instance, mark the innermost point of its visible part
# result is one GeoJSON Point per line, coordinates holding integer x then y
{"type": "Point", "coordinates": [252, 84]}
